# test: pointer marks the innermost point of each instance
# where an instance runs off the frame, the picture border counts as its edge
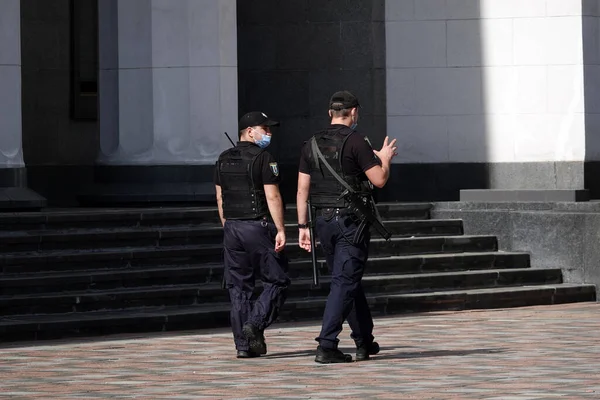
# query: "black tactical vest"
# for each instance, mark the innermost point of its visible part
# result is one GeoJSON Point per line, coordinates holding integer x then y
{"type": "Point", "coordinates": [242, 197]}
{"type": "Point", "coordinates": [325, 189]}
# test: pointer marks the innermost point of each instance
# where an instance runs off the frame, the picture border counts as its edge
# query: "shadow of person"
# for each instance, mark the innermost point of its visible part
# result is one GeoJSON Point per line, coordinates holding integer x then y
{"type": "Point", "coordinates": [391, 353]}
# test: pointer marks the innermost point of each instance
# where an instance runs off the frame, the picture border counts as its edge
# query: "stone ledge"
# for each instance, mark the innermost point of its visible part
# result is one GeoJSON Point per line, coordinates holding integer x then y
{"type": "Point", "coordinates": [20, 198]}
{"type": "Point", "coordinates": [525, 195]}
{"type": "Point", "coordinates": [151, 194]}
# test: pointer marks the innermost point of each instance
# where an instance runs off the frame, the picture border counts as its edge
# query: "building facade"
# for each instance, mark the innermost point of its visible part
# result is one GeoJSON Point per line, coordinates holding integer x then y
{"type": "Point", "coordinates": [107, 101]}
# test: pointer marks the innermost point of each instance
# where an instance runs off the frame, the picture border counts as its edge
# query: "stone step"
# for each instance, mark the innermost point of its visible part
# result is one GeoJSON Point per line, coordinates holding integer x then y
{"type": "Point", "coordinates": [163, 216]}
{"type": "Point", "coordinates": [191, 293]}
{"type": "Point", "coordinates": [499, 297]}
{"type": "Point", "coordinates": [94, 238]}
{"type": "Point", "coordinates": [158, 319]}
{"type": "Point", "coordinates": [22, 262]}
{"type": "Point", "coordinates": [127, 257]}
{"type": "Point", "coordinates": [111, 278]}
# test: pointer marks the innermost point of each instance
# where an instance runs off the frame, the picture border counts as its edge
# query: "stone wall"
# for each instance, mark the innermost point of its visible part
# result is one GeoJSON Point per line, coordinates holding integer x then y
{"type": "Point", "coordinates": [557, 235]}
{"type": "Point", "coordinates": [490, 94]}
{"type": "Point", "coordinates": [293, 55]}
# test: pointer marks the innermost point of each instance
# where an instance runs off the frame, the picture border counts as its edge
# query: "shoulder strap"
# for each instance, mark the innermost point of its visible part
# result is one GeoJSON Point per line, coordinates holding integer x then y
{"type": "Point", "coordinates": [317, 152]}
{"type": "Point", "coordinates": [255, 152]}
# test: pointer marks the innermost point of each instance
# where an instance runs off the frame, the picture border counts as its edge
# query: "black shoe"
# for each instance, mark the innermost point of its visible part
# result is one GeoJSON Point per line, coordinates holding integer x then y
{"type": "Point", "coordinates": [247, 354]}
{"type": "Point", "coordinates": [329, 356]}
{"type": "Point", "coordinates": [365, 352]}
{"type": "Point", "coordinates": [256, 339]}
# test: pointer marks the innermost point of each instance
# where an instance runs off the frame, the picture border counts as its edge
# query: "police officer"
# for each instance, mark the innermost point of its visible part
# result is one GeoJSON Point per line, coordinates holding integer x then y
{"type": "Point", "coordinates": [251, 211]}
{"type": "Point", "coordinates": [342, 234]}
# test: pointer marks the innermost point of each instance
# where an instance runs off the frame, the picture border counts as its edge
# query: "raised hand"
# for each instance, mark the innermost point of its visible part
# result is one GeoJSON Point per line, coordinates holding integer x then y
{"type": "Point", "coordinates": [388, 150]}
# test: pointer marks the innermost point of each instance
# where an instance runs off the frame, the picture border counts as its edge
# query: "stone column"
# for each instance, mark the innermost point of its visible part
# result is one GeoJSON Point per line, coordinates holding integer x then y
{"type": "Point", "coordinates": [11, 151]}
{"type": "Point", "coordinates": [13, 178]}
{"type": "Point", "coordinates": [167, 92]}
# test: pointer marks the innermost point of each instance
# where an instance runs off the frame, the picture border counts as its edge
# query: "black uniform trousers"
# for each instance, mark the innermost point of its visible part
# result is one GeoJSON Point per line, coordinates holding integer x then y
{"type": "Point", "coordinates": [346, 254]}
{"type": "Point", "coordinates": [248, 253]}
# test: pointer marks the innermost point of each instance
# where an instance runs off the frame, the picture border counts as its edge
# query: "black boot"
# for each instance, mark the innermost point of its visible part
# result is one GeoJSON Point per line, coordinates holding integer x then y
{"type": "Point", "coordinates": [329, 356]}
{"type": "Point", "coordinates": [364, 352]}
{"type": "Point", "coordinates": [246, 354]}
{"type": "Point", "coordinates": [256, 338]}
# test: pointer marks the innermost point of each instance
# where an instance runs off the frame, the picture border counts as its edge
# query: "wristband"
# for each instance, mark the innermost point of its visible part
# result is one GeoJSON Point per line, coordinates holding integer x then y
{"type": "Point", "coordinates": [302, 226]}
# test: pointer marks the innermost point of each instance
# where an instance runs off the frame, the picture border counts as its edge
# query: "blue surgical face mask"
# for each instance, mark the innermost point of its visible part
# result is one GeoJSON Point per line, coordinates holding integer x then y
{"type": "Point", "coordinates": [353, 126]}
{"type": "Point", "coordinates": [264, 141]}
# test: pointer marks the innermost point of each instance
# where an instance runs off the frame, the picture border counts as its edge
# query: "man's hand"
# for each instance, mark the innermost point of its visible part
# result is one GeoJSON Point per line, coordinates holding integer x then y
{"type": "Point", "coordinates": [388, 150]}
{"type": "Point", "coordinates": [279, 241]}
{"type": "Point", "coordinates": [304, 239]}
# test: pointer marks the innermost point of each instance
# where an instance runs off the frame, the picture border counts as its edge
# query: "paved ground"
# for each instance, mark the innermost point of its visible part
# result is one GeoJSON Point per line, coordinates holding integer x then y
{"type": "Point", "coordinates": [521, 353]}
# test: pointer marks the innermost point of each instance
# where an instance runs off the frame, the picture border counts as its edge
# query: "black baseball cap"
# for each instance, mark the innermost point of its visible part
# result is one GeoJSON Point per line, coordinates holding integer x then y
{"type": "Point", "coordinates": [256, 118]}
{"type": "Point", "coordinates": [343, 100]}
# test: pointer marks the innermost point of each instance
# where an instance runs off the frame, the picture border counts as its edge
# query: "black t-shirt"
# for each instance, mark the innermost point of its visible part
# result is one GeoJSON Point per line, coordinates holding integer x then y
{"type": "Point", "coordinates": [357, 156]}
{"type": "Point", "coordinates": [265, 171]}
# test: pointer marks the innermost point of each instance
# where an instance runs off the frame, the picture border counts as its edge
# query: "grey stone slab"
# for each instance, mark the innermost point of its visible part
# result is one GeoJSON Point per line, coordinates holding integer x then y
{"type": "Point", "coordinates": [377, 132]}
{"type": "Point", "coordinates": [20, 198]}
{"type": "Point", "coordinates": [291, 11]}
{"type": "Point", "coordinates": [342, 10]}
{"type": "Point", "coordinates": [569, 175]}
{"type": "Point", "coordinates": [378, 105]}
{"type": "Point", "coordinates": [289, 138]}
{"type": "Point", "coordinates": [254, 57]}
{"type": "Point", "coordinates": [256, 12]}
{"type": "Point", "coordinates": [521, 195]}
{"type": "Point", "coordinates": [504, 206]}
{"type": "Point", "coordinates": [557, 235]}
{"type": "Point", "coordinates": [13, 177]}
{"type": "Point", "coordinates": [277, 93]}
{"type": "Point", "coordinates": [36, 10]}
{"type": "Point", "coordinates": [378, 10]}
{"type": "Point", "coordinates": [553, 239]}
{"type": "Point", "coordinates": [592, 206]}
{"type": "Point", "coordinates": [535, 175]}
{"type": "Point", "coordinates": [357, 39]}
{"type": "Point", "coordinates": [292, 46]}
{"type": "Point", "coordinates": [325, 46]}
{"type": "Point", "coordinates": [379, 45]}
{"type": "Point", "coordinates": [591, 248]}
{"type": "Point", "coordinates": [485, 222]}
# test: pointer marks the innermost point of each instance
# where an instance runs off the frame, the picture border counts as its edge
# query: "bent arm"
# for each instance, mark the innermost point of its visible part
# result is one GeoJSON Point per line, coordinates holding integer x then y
{"type": "Point", "coordinates": [275, 205]}
{"type": "Point", "coordinates": [220, 203]}
{"type": "Point", "coordinates": [302, 197]}
{"type": "Point", "coordinates": [378, 175]}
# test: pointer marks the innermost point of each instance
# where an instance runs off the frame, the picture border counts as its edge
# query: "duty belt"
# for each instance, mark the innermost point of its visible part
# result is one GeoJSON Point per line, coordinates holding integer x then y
{"type": "Point", "coordinates": [329, 211]}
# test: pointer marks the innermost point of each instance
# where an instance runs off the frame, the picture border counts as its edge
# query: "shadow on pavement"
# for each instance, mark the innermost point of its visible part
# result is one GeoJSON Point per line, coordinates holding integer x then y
{"type": "Point", "coordinates": [391, 353]}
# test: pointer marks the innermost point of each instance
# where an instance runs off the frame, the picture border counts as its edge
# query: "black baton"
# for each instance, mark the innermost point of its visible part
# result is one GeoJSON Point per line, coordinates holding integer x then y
{"type": "Point", "coordinates": [313, 247]}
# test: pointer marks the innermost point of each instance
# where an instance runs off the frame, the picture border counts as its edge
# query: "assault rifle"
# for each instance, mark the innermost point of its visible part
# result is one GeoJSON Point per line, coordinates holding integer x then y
{"type": "Point", "coordinates": [365, 209]}
{"type": "Point", "coordinates": [362, 206]}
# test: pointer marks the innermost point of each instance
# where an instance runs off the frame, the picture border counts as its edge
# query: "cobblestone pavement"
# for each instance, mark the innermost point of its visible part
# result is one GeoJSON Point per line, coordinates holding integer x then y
{"type": "Point", "coordinates": [542, 352]}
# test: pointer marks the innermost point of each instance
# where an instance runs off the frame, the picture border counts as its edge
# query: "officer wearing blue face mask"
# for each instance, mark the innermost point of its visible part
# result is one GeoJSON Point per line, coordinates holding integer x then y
{"type": "Point", "coordinates": [251, 211]}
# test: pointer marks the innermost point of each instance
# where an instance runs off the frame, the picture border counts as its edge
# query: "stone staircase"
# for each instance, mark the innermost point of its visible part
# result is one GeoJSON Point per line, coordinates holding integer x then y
{"type": "Point", "coordinates": [87, 272]}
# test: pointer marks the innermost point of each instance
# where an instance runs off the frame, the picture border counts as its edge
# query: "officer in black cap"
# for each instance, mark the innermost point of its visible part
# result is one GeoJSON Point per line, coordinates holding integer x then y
{"type": "Point", "coordinates": [344, 235]}
{"type": "Point", "coordinates": [251, 211]}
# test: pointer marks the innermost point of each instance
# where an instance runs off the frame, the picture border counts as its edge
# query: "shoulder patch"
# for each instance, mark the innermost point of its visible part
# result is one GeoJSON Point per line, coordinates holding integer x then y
{"type": "Point", "coordinates": [274, 168]}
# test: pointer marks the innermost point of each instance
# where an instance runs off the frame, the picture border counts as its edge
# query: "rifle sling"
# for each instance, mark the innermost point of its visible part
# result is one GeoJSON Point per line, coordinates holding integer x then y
{"type": "Point", "coordinates": [317, 151]}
